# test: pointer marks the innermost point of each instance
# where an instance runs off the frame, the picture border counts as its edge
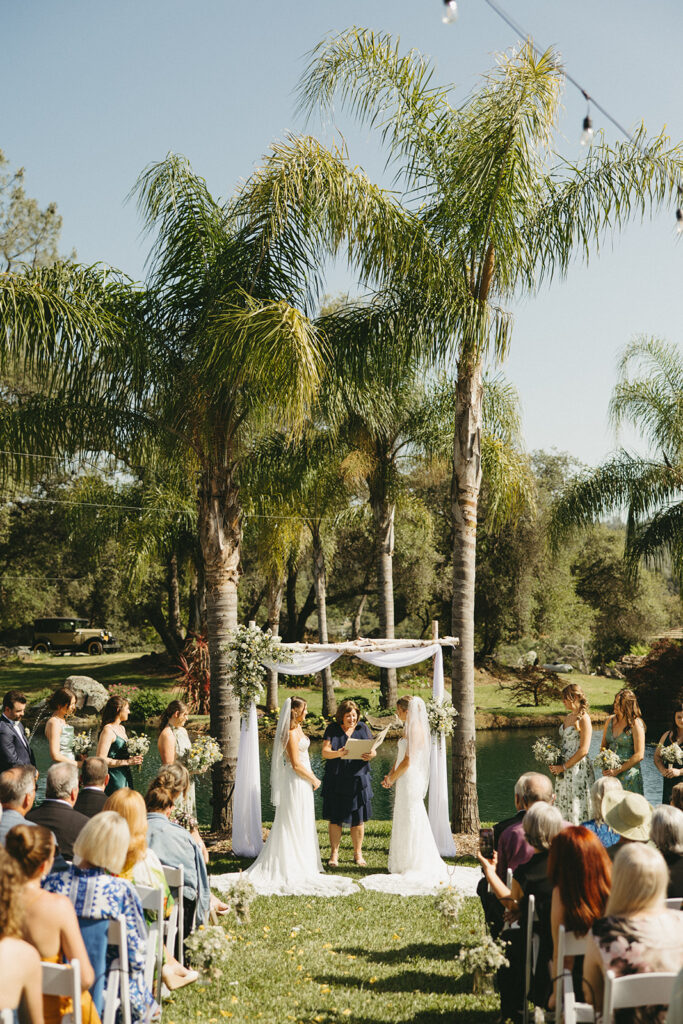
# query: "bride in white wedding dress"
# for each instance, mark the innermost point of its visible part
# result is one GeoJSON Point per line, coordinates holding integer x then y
{"type": "Point", "coordinates": [289, 864]}
{"type": "Point", "coordinates": [415, 866]}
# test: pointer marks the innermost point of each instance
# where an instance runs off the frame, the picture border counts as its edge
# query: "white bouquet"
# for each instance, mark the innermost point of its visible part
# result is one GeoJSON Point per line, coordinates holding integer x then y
{"type": "Point", "coordinates": [607, 760]}
{"type": "Point", "coordinates": [449, 903]}
{"type": "Point", "coordinates": [183, 818]}
{"type": "Point", "coordinates": [487, 957]}
{"type": "Point", "coordinates": [546, 752]}
{"type": "Point", "coordinates": [241, 897]}
{"type": "Point", "coordinates": [138, 745]}
{"type": "Point", "coordinates": [203, 753]}
{"type": "Point", "coordinates": [209, 949]}
{"type": "Point", "coordinates": [671, 754]}
{"type": "Point", "coordinates": [441, 715]}
{"type": "Point", "coordinates": [82, 744]}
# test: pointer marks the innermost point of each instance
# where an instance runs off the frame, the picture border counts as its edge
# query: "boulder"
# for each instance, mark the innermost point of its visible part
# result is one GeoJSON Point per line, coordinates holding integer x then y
{"type": "Point", "coordinates": [91, 696]}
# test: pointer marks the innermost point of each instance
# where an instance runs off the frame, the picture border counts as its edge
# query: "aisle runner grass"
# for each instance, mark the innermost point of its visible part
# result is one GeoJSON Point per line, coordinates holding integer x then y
{"type": "Point", "coordinates": [367, 958]}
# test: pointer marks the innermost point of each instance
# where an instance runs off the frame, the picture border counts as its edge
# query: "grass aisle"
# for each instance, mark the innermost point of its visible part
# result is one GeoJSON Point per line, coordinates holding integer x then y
{"type": "Point", "coordinates": [369, 958]}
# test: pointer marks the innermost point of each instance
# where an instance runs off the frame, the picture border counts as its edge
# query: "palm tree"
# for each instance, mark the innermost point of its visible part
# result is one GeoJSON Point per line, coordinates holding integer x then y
{"type": "Point", "coordinates": [195, 367]}
{"type": "Point", "coordinates": [649, 397]}
{"type": "Point", "coordinates": [497, 211]}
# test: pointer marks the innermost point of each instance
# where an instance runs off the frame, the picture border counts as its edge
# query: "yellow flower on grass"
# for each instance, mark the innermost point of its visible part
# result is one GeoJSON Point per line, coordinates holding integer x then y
{"type": "Point", "coordinates": [396, 937]}
{"type": "Point", "coordinates": [299, 967]}
{"type": "Point", "coordinates": [373, 980]}
{"type": "Point", "coordinates": [224, 1013]}
{"type": "Point", "coordinates": [234, 1000]}
{"type": "Point", "coordinates": [266, 928]}
{"type": "Point", "coordinates": [327, 945]}
{"type": "Point", "coordinates": [346, 1013]}
{"type": "Point", "coordinates": [325, 989]}
{"type": "Point", "coordinates": [350, 957]}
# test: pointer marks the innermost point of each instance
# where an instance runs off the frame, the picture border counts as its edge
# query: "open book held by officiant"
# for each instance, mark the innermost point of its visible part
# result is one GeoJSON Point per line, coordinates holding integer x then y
{"type": "Point", "coordinates": [356, 748]}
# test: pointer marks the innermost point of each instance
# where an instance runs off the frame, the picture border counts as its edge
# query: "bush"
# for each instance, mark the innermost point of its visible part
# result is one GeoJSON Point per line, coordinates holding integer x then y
{"type": "Point", "coordinates": [148, 704]}
{"type": "Point", "coordinates": [658, 681]}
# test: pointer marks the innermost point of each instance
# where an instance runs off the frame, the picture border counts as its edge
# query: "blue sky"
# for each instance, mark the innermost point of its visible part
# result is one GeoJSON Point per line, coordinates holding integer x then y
{"type": "Point", "coordinates": [92, 92]}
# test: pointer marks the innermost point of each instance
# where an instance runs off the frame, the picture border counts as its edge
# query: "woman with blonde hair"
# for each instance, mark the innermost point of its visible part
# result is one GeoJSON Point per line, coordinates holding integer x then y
{"type": "Point", "coordinates": [143, 867]}
{"type": "Point", "coordinates": [21, 990]}
{"type": "Point", "coordinates": [638, 935]}
{"type": "Point", "coordinates": [624, 733]}
{"type": "Point", "coordinates": [575, 776]}
{"type": "Point", "coordinates": [50, 922]}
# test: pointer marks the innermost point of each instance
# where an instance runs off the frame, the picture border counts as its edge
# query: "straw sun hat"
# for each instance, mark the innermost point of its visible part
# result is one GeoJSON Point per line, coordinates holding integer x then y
{"type": "Point", "coordinates": [629, 814]}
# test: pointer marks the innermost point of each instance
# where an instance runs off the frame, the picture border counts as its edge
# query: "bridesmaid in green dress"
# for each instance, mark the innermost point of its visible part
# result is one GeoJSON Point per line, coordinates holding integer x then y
{"type": "Point", "coordinates": [112, 744]}
{"type": "Point", "coordinates": [58, 732]}
{"type": "Point", "coordinates": [624, 733]}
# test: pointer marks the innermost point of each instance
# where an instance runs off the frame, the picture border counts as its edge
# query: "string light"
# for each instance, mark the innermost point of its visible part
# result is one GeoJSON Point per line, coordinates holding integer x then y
{"type": "Point", "coordinates": [587, 133]}
{"type": "Point", "coordinates": [450, 12]}
{"type": "Point", "coordinates": [679, 212]}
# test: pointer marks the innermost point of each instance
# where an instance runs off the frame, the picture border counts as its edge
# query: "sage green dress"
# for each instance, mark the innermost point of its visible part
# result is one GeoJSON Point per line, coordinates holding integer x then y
{"type": "Point", "coordinates": [120, 776]}
{"type": "Point", "coordinates": [632, 780]}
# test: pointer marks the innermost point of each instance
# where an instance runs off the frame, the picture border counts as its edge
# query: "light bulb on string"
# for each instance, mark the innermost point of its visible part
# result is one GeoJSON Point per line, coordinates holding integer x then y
{"type": "Point", "coordinates": [450, 12]}
{"type": "Point", "coordinates": [679, 212]}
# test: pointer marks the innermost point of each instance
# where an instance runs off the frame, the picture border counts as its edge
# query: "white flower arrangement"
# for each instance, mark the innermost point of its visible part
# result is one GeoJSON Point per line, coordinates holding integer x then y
{"type": "Point", "coordinates": [449, 903]}
{"type": "Point", "coordinates": [183, 818]}
{"type": "Point", "coordinates": [671, 754]}
{"type": "Point", "coordinates": [607, 760]}
{"type": "Point", "coordinates": [209, 949]}
{"type": "Point", "coordinates": [546, 752]}
{"type": "Point", "coordinates": [82, 744]}
{"type": "Point", "coordinates": [138, 744]}
{"type": "Point", "coordinates": [241, 897]}
{"type": "Point", "coordinates": [204, 752]}
{"type": "Point", "coordinates": [486, 958]}
{"type": "Point", "coordinates": [441, 715]}
{"type": "Point", "coordinates": [250, 648]}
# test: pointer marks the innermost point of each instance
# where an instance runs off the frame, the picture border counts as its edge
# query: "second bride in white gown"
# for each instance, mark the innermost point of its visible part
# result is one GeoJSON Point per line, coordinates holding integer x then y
{"type": "Point", "coordinates": [415, 865]}
{"type": "Point", "coordinates": [289, 864]}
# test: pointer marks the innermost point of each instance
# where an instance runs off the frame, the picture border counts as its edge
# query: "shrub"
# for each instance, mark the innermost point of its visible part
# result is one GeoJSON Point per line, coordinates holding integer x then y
{"type": "Point", "coordinates": [148, 704]}
{"type": "Point", "coordinates": [195, 675]}
{"type": "Point", "coordinates": [658, 681]}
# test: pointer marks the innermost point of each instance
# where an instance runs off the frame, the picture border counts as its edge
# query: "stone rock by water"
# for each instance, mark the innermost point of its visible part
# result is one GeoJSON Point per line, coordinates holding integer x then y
{"type": "Point", "coordinates": [91, 696]}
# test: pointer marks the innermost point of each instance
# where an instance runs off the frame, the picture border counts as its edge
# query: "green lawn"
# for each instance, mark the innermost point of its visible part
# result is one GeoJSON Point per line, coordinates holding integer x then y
{"type": "Point", "coordinates": [366, 958]}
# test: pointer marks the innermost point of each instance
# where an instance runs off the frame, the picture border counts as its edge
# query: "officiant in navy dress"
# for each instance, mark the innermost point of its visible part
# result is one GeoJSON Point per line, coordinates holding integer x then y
{"type": "Point", "coordinates": [347, 790]}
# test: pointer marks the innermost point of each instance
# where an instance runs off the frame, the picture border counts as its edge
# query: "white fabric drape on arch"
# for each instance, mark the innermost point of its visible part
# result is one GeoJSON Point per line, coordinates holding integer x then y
{"type": "Point", "coordinates": [439, 817]}
{"type": "Point", "coordinates": [247, 836]}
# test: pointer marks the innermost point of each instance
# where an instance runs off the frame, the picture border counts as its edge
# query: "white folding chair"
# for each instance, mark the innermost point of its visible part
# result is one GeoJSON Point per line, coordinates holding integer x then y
{"type": "Point", "coordinates": [153, 901]}
{"type": "Point", "coordinates": [6, 1016]}
{"type": "Point", "coordinates": [530, 954]}
{"type": "Point", "coordinates": [574, 1012]}
{"type": "Point", "coordinates": [636, 990]}
{"type": "Point", "coordinates": [175, 879]}
{"type": "Point", "coordinates": [64, 980]}
{"type": "Point", "coordinates": [117, 992]}
{"type": "Point", "coordinates": [568, 944]}
{"type": "Point", "coordinates": [674, 903]}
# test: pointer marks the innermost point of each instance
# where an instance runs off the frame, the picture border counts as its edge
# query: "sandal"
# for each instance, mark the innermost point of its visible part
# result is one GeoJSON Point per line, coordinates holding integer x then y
{"type": "Point", "coordinates": [360, 861]}
{"type": "Point", "coordinates": [332, 863]}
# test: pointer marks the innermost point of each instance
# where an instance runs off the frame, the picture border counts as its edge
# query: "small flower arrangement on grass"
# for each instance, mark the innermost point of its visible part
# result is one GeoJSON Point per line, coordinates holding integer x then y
{"type": "Point", "coordinates": [441, 715]}
{"type": "Point", "coordinates": [607, 760]}
{"type": "Point", "coordinates": [82, 744]}
{"type": "Point", "coordinates": [448, 903]}
{"type": "Point", "coordinates": [482, 961]}
{"type": "Point", "coordinates": [183, 818]}
{"type": "Point", "coordinates": [209, 949]}
{"type": "Point", "coordinates": [240, 899]}
{"type": "Point", "coordinates": [138, 745]}
{"type": "Point", "coordinates": [203, 753]}
{"type": "Point", "coordinates": [250, 648]}
{"type": "Point", "coordinates": [672, 754]}
{"type": "Point", "coordinates": [546, 752]}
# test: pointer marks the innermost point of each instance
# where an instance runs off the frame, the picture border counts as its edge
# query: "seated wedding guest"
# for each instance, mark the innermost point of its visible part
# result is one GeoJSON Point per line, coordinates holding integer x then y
{"type": "Point", "coordinates": [57, 810]}
{"type": "Point", "coordinates": [629, 814]}
{"type": "Point", "coordinates": [493, 908]}
{"type": "Point", "coordinates": [100, 853]}
{"type": "Point", "coordinates": [50, 922]}
{"type": "Point", "coordinates": [174, 845]}
{"type": "Point", "coordinates": [17, 793]}
{"type": "Point", "coordinates": [638, 934]}
{"type": "Point", "coordinates": [597, 824]}
{"type": "Point", "coordinates": [94, 777]}
{"type": "Point", "coordinates": [21, 990]}
{"type": "Point", "coordinates": [542, 823]}
{"type": "Point", "coordinates": [581, 873]}
{"type": "Point", "coordinates": [666, 832]}
{"type": "Point", "coordinates": [143, 867]}
{"type": "Point", "coordinates": [677, 796]}
{"type": "Point", "coordinates": [14, 745]}
{"type": "Point", "coordinates": [513, 849]}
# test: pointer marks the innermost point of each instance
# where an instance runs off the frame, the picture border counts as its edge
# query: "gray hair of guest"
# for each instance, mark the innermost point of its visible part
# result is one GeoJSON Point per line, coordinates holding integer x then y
{"type": "Point", "coordinates": [62, 779]}
{"type": "Point", "coordinates": [536, 788]}
{"type": "Point", "coordinates": [541, 823]}
{"type": "Point", "coordinates": [639, 880]}
{"type": "Point", "coordinates": [519, 786]}
{"type": "Point", "coordinates": [666, 829]}
{"type": "Point", "coordinates": [16, 783]}
{"type": "Point", "coordinates": [599, 789]}
{"type": "Point", "coordinates": [94, 771]}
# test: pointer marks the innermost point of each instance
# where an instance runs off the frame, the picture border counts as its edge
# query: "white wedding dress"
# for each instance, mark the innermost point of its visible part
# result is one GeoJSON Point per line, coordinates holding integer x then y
{"type": "Point", "coordinates": [289, 864]}
{"type": "Point", "coordinates": [415, 866]}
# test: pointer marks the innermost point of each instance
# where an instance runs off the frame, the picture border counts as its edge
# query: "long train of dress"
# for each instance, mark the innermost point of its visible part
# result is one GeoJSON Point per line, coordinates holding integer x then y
{"type": "Point", "coordinates": [415, 866]}
{"type": "Point", "coordinates": [290, 864]}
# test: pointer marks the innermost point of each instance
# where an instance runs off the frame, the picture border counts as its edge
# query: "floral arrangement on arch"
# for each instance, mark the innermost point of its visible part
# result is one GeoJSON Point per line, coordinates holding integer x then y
{"type": "Point", "coordinates": [250, 648]}
{"type": "Point", "coordinates": [441, 715]}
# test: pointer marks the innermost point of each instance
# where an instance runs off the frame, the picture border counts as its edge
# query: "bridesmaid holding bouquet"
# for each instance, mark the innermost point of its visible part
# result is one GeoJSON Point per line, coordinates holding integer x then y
{"type": "Point", "coordinates": [624, 733]}
{"type": "Point", "coordinates": [574, 776]}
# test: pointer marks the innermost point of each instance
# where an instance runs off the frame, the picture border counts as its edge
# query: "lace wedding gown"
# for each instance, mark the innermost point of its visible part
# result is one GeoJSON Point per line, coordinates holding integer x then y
{"type": "Point", "coordinates": [289, 864]}
{"type": "Point", "coordinates": [415, 866]}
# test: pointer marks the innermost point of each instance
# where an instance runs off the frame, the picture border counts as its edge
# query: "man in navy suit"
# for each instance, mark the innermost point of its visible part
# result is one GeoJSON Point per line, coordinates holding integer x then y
{"type": "Point", "coordinates": [14, 748]}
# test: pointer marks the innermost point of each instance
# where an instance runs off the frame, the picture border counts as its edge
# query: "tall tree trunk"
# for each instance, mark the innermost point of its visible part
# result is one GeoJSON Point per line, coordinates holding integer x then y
{"type": "Point", "coordinates": [275, 588]}
{"type": "Point", "coordinates": [220, 534]}
{"type": "Point", "coordinates": [464, 498]}
{"type": "Point", "coordinates": [355, 625]}
{"type": "Point", "coordinates": [383, 512]}
{"type": "Point", "coordinates": [155, 614]}
{"type": "Point", "coordinates": [320, 583]}
{"type": "Point", "coordinates": [304, 615]}
{"type": "Point", "coordinates": [174, 621]}
{"type": "Point", "coordinates": [290, 592]}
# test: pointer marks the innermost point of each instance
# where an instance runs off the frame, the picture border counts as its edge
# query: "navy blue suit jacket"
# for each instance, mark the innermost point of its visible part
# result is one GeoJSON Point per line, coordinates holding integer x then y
{"type": "Point", "coordinates": [13, 750]}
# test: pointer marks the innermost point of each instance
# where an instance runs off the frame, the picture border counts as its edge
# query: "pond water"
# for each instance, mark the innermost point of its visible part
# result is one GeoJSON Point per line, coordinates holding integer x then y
{"type": "Point", "coordinates": [502, 756]}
